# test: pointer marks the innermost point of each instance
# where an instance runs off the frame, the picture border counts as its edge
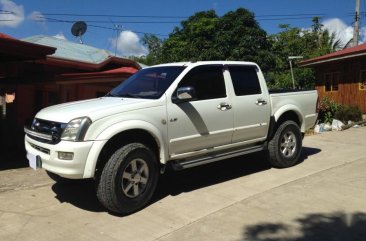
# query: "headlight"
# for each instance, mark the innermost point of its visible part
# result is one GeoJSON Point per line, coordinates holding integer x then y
{"type": "Point", "coordinates": [76, 129]}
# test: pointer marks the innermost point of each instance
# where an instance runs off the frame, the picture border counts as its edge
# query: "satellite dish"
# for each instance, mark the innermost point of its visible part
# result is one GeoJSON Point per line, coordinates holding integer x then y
{"type": "Point", "coordinates": [78, 29]}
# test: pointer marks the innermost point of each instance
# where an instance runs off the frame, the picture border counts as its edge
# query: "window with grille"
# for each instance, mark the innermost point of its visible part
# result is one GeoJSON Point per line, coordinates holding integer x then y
{"type": "Point", "coordinates": [331, 81]}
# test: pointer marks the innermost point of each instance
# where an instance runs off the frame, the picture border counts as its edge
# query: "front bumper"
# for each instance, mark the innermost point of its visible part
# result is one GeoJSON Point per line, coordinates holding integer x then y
{"type": "Point", "coordinates": [48, 153]}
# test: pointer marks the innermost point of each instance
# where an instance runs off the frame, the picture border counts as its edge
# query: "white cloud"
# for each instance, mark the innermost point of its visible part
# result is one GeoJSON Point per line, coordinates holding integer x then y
{"type": "Point", "coordinates": [60, 35]}
{"type": "Point", "coordinates": [128, 44]}
{"type": "Point", "coordinates": [39, 18]}
{"type": "Point", "coordinates": [36, 16]}
{"type": "Point", "coordinates": [341, 30]}
{"type": "Point", "coordinates": [12, 14]}
{"type": "Point", "coordinates": [363, 35]}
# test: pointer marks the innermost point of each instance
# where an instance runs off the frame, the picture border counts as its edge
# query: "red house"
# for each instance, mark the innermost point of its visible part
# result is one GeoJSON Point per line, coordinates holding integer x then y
{"type": "Point", "coordinates": [341, 75]}
{"type": "Point", "coordinates": [40, 71]}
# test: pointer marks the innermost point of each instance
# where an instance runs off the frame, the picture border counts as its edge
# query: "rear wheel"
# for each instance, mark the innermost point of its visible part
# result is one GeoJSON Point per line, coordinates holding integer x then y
{"type": "Point", "coordinates": [129, 179]}
{"type": "Point", "coordinates": [285, 146]}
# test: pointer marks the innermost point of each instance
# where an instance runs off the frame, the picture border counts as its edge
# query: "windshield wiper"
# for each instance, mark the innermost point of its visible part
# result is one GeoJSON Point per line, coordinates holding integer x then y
{"type": "Point", "coordinates": [129, 95]}
{"type": "Point", "coordinates": [109, 94]}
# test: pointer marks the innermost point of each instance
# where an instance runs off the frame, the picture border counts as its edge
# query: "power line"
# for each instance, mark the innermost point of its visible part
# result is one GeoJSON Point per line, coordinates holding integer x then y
{"type": "Point", "coordinates": [277, 19]}
{"type": "Point", "coordinates": [54, 20]}
{"type": "Point", "coordinates": [91, 22]}
{"type": "Point", "coordinates": [299, 17]}
{"type": "Point", "coordinates": [293, 15]}
{"type": "Point", "coordinates": [174, 17]}
{"type": "Point", "coordinates": [108, 15]}
{"type": "Point", "coordinates": [103, 27]}
{"type": "Point", "coordinates": [103, 21]}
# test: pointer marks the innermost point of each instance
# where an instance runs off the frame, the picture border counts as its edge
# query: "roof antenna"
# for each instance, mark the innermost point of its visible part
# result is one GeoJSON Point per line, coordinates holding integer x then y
{"type": "Point", "coordinates": [78, 29]}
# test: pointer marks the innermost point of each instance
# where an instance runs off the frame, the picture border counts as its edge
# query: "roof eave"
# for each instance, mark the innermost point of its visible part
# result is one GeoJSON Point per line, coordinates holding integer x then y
{"type": "Point", "coordinates": [52, 60]}
{"type": "Point", "coordinates": [321, 61]}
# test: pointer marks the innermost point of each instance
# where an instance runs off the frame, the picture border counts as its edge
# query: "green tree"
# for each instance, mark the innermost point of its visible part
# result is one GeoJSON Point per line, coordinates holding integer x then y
{"type": "Point", "coordinates": [153, 44]}
{"type": "Point", "coordinates": [288, 42]}
{"type": "Point", "coordinates": [194, 40]}
{"type": "Point", "coordinates": [239, 37]}
{"type": "Point", "coordinates": [205, 36]}
{"type": "Point", "coordinates": [292, 41]}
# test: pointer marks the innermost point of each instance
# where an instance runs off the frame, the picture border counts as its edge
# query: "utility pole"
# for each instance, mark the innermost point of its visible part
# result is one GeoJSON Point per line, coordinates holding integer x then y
{"type": "Point", "coordinates": [290, 58]}
{"type": "Point", "coordinates": [357, 24]}
{"type": "Point", "coordinates": [118, 29]}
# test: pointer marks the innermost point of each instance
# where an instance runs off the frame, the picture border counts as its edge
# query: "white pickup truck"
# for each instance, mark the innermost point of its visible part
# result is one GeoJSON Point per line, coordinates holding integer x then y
{"type": "Point", "coordinates": [183, 114]}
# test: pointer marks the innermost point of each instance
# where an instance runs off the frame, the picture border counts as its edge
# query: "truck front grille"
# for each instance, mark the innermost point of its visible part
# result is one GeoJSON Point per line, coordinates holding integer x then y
{"type": "Point", "coordinates": [45, 131]}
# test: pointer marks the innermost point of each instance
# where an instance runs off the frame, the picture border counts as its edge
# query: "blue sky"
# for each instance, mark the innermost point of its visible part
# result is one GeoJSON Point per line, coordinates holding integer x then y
{"type": "Point", "coordinates": [336, 16]}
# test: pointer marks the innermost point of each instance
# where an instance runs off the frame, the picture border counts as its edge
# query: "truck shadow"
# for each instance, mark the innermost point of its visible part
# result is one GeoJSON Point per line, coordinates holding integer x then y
{"type": "Point", "coordinates": [177, 182]}
{"type": "Point", "coordinates": [81, 193]}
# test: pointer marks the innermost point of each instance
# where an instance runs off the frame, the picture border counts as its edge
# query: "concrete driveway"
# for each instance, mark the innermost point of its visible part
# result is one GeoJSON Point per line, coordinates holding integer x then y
{"type": "Point", "coordinates": [322, 198]}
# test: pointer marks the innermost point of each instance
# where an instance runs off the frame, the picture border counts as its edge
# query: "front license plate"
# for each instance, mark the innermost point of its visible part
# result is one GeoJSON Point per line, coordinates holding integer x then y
{"type": "Point", "coordinates": [34, 161]}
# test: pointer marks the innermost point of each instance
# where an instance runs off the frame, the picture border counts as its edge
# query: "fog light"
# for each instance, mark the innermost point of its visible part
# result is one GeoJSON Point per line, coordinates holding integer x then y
{"type": "Point", "coordinates": [65, 155]}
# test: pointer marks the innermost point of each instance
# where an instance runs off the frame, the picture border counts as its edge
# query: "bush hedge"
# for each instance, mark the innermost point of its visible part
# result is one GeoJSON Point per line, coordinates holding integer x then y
{"type": "Point", "coordinates": [330, 110]}
{"type": "Point", "coordinates": [347, 113]}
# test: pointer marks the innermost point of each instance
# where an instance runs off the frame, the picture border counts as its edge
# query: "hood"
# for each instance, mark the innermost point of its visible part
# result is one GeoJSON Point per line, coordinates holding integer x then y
{"type": "Point", "coordinates": [94, 108]}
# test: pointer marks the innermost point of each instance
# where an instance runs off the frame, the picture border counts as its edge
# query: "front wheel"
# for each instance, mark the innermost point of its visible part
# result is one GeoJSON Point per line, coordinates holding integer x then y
{"type": "Point", "coordinates": [129, 179]}
{"type": "Point", "coordinates": [285, 146]}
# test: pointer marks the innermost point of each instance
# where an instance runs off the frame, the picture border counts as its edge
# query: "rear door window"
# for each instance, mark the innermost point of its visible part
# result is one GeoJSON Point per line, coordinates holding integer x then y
{"type": "Point", "coordinates": [245, 80]}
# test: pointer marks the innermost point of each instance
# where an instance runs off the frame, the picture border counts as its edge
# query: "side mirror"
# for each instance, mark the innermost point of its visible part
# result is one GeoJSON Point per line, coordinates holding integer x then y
{"type": "Point", "coordinates": [185, 94]}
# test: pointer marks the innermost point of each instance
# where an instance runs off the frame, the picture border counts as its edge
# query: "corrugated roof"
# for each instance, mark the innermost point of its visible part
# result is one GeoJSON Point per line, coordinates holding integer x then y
{"type": "Point", "coordinates": [356, 51]}
{"type": "Point", "coordinates": [70, 50]}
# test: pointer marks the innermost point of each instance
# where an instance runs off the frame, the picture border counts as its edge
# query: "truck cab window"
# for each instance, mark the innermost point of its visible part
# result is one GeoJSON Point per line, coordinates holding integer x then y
{"type": "Point", "coordinates": [245, 80]}
{"type": "Point", "coordinates": [149, 83]}
{"type": "Point", "coordinates": [207, 80]}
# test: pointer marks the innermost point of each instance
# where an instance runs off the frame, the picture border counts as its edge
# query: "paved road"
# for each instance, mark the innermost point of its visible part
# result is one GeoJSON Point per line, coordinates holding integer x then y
{"type": "Point", "coordinates": [322, 198]}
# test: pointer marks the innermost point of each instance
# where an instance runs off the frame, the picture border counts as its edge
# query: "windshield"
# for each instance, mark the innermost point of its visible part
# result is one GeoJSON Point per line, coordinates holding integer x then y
{"type": "Point", "coordinates": [149, 83]}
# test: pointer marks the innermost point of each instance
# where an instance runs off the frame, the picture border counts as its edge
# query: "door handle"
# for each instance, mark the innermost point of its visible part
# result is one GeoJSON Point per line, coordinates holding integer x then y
{"type": "Point", "coordinates": [224, 106]}
{"type": "Point", "coordinates": [261, 102]}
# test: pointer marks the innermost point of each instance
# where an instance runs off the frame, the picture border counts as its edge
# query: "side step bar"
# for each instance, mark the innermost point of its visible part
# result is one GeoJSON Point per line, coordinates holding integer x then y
{"type": "Point", "coordinates": [193, 162]}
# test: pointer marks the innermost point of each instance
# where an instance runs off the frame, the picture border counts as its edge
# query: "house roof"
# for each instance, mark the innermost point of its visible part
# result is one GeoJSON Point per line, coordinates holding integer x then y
{"type": "Point", "coordinates": [12, 49]}
{"type": "Point", "coordinates": [80, 56]}
{"type": "Point", "coordinates": [70, 50]}
{"type": "Point", "coordinates": [71, 61]}
{"type": "Point", "coordinates": [353, 52]}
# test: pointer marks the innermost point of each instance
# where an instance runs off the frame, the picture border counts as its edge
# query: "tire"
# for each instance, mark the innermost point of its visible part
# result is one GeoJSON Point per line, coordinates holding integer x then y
{"type": "Point", "coordinates": [285, 146]}
{"type": "Point", "coordinates": [128, 179]}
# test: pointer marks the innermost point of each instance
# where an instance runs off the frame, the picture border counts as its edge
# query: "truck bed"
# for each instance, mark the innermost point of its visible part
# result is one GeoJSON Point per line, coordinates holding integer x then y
{"type": "Point", "coordinates": [304, 102]}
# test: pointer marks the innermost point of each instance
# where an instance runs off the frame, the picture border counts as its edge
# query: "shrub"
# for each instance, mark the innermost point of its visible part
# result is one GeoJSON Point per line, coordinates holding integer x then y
{"type": "Point", "coordinates": [327, 111]}
{"type": "Point", "coordinates": [347, 113]}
